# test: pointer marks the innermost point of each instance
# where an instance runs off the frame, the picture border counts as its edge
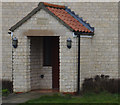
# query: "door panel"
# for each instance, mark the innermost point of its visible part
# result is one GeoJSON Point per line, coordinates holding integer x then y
{"type": "Point", "coordinates": [55, 62]}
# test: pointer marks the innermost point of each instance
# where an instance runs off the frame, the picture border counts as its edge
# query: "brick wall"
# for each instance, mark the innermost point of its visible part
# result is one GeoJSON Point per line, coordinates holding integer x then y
{"type": "Point", "coordinates": [99, 55]}
{"type": "Point", "coordinates": [0, 40]}
{"type": "Point", "coordinates": [0, 51]}
{"type": "Point", "coordinates": [36, 66]}
{"type": "Point", "coordinates": [11, 13]}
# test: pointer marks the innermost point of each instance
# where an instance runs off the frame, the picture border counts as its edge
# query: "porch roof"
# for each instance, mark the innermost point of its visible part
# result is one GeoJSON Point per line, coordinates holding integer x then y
{"type": "Point", "coordinates": [64, 15]}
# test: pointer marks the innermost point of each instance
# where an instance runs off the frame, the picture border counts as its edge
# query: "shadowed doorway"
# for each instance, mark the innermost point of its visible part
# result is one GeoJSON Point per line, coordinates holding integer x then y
{"type": "Point", "coordinates": [51, 58]}
{"type": "Point", "coordinates": [44, 62]}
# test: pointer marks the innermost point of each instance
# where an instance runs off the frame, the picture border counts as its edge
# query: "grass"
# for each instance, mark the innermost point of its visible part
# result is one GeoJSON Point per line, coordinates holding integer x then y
{"type": "Point", "coordinates": [103, 97]}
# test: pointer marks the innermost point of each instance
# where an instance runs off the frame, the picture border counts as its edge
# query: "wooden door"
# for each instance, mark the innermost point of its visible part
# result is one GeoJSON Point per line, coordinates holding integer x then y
{"type": "Point", "coordinates": [55, 62]}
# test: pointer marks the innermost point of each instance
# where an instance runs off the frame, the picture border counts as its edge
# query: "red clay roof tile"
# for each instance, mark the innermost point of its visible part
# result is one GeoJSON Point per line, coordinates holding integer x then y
{"type": "Point", "coordinates": [68, 19]}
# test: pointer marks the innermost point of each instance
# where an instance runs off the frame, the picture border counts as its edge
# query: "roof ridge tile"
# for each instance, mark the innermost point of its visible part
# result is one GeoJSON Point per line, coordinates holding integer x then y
{"type": "Point", "coordinates": [54, 5]}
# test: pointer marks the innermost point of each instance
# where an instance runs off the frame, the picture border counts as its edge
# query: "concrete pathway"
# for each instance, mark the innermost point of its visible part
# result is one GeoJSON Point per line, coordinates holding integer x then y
{"type": "Point", "coordinates": [23, 97]}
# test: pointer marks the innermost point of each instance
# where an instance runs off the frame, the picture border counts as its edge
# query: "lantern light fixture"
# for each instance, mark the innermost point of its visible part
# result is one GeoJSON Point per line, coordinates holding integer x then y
{"type": "Point", "coordinates": [69, 43]}
{"type": "Point", "coordinates": [15, 42]}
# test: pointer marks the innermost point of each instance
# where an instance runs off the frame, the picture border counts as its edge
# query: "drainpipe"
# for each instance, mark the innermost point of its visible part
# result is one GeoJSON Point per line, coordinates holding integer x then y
{"type": "Point", "coordinates": [78, 84]}
{"type": "Point", "coordinates": [11, 33]}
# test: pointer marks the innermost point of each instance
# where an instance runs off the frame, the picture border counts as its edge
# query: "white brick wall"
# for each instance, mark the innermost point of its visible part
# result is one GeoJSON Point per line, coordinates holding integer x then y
{"type": "Point", "coordinates": [11, 13]}
{"type": "Point", "coordinates": [37, 68]}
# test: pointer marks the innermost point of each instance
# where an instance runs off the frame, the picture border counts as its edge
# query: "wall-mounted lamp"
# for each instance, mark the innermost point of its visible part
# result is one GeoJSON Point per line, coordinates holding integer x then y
{"type": "Point", "coordinates": [69, 43]}
{"type": "Point", "coordinates": [42, 76]}
{"type": "Point", "coordinates": [15, 42]}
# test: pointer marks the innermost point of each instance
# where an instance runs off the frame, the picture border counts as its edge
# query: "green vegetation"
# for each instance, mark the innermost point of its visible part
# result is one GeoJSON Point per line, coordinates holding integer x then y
{"type": "Point", "coordinates": [5, 92]}
{"type": "Point", "coordinates": [103, 97]}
